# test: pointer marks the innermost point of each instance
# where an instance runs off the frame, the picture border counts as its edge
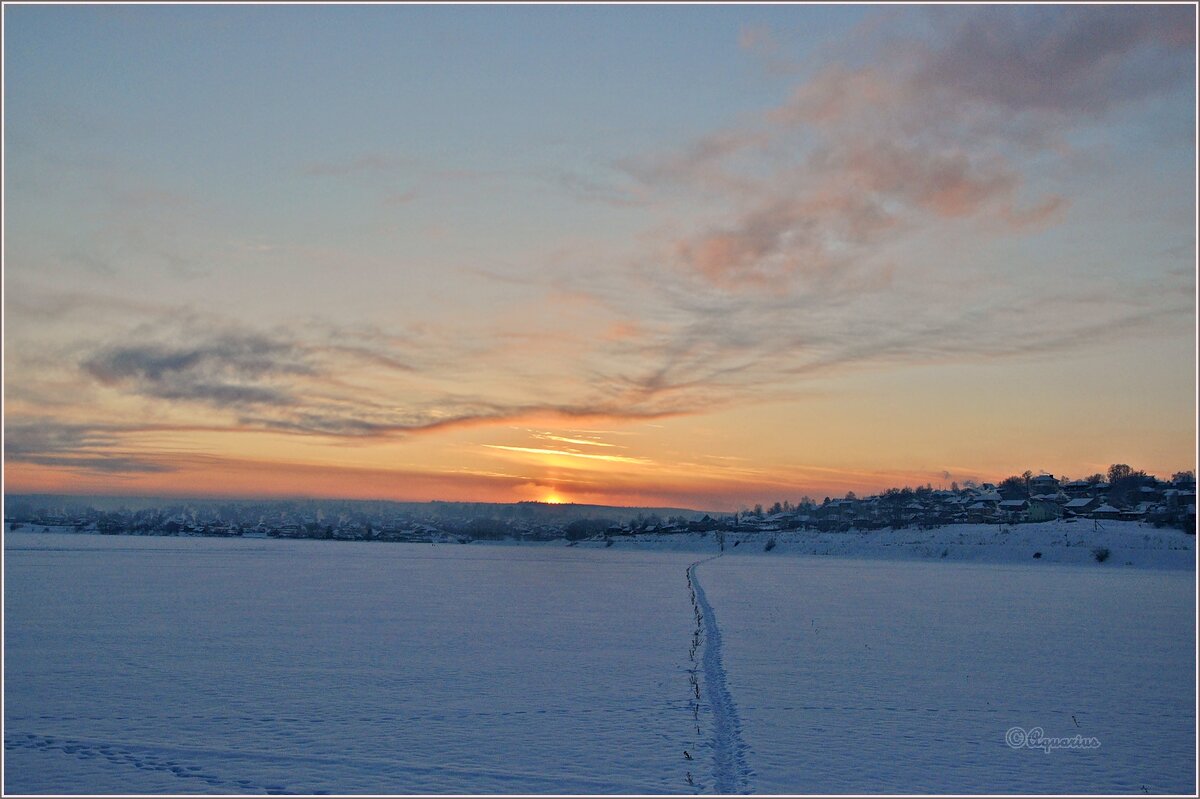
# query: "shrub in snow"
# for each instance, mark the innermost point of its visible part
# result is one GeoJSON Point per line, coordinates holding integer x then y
{"type": "Point", "coordinates": [770, 545]}
{"type": "Point", "coordinates": [1100, 554]}
{"type": "Point", "coordinates": [1037, 555]}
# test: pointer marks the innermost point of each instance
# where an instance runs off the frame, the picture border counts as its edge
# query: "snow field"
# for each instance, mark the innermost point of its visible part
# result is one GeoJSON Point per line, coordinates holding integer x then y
{"type": "Point", "coordinates": [185, 665]}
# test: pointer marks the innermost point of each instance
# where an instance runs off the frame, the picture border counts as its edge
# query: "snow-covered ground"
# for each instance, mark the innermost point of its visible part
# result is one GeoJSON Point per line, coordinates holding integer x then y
{"type": "Point", "coordinates": [899, 677]}
{"type": "Point", "coordinates": [246, 666]}
{"type": "Point", "coordinates": [209, 665]}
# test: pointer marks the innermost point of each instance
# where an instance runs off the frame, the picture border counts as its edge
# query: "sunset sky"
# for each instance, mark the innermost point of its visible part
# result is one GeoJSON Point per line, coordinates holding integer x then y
{"type": "Point", "coordinates": [697, 256]}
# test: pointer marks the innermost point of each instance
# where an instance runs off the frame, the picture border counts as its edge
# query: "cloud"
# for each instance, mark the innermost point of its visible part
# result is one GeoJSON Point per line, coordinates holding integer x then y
{"type": "Point", "coordinates": [941, 124]}
{"type": "Point", "coordinates": [75, 447]}
{"type": "Point", "coordinates": [1058, 59]}
{"type": "Point", "coordinates": [571, 454]}
{"type": "Point", "coordinates": [226, 370]}
{"type": "Point", "coordinates": [48, 436]}
{"type": "Point", "coordinates": [698, 163]}
{"type": "Point", "coordinates": [791, 255]}
{"type": "Point", "coordinates": [786, 237]}
{"type": "Point", "coordinates": [339, 382]}
{"type": "Point", "coordinates": [587, 442]}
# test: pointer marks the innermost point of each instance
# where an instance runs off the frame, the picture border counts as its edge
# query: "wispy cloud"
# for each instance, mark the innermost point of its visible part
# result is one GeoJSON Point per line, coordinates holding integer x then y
{"type": "Point", "coordinates": [935, 128]}
{"type": "Point", "coordinates": [587, 442]}
{"type": "Point", "coordinates": [338, 382]}
{"type": "Point", "coordinates": [571, 454]}
{"type": "Point", "coordinates": [1058, 59]}
{"type": "Point", "coordinates": [75, 447]}
{"type": "Point", "coordinates": [803, 264]}
{"type": "Point", "coordinates": [227, 370]}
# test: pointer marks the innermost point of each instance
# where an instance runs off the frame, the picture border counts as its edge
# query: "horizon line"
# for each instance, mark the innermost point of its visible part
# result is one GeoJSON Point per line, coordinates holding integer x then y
{"type": "Point", "coordinates": [330, 498]}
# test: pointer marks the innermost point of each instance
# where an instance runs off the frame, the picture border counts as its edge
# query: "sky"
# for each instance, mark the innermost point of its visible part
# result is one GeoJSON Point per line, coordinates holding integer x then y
{"type": "Point", "coordinates": [670, 255]}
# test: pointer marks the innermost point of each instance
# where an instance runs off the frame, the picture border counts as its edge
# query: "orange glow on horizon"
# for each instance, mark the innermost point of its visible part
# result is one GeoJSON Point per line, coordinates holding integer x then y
{"type": "Point", "coordinates": [715, 462]}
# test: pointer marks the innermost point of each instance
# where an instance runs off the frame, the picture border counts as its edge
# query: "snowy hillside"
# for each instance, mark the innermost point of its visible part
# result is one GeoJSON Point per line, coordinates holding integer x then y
{"type": "Point", "coordinates": [1128, 543]}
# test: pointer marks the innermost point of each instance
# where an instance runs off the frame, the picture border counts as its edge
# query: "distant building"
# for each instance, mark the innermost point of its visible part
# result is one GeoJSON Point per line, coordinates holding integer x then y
{"type": "Point", "coordinates": [1013, 509]}
{"type": "Point", "coordinates": [980, 512]}
{"type": "Point", "coordinates": [1076, 488]}
{"type": "Point", "coordinates": [1043, 484]}
{"type": "Point", "coordinates": [1081, 505]}
{"type": "Point", "coordinates": [1043, 511]}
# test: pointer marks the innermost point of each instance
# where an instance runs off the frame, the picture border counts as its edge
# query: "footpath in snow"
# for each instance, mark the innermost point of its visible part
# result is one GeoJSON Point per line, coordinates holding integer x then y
{"type": "Point", "coordinates": [729, 770]}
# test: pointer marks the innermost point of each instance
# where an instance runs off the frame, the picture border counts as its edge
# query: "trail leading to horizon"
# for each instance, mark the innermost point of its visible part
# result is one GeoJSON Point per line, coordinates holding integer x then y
{"type": "Point", "coordinates": [731, 774]}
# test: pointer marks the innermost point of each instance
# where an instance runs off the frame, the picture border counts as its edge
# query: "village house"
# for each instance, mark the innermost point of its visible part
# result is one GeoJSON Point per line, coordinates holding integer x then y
{"type": "Point", "coordinates": [1076, 488]}
{"type": "Point", "coordinates": [1043, 484]}
{"type": "Point", "coordinates": [1107, 512]}
{"type": "Point", "coordinates": [1081, 506]}
{"type": "Point", "coordinates": [1013, 510]}
{"type": "Point", "coordinates": [1041, 510]}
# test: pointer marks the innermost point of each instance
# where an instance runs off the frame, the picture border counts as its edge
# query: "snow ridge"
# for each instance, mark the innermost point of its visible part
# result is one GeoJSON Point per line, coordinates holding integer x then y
{"type": "Point", "coordinates": [731, 774]}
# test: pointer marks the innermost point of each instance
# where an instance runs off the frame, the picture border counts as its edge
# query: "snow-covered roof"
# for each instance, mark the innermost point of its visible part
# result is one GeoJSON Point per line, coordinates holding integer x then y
{"type": "Point", "coordinates": [1079, 503]}
{"type": "Point", "coordinates": [1106, 508]}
